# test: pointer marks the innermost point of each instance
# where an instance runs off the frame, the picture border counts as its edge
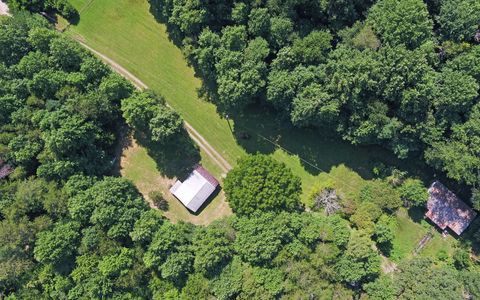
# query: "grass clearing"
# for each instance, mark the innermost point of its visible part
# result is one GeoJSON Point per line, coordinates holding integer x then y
{"type": "Point", "coordinates": [142, 170]}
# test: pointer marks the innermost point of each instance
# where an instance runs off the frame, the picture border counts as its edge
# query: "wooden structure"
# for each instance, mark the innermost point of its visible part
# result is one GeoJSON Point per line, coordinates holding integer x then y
{"type": "Point", "coordinates": [445, 209]}
{"type": "Point", "coordinates": [5, 169]}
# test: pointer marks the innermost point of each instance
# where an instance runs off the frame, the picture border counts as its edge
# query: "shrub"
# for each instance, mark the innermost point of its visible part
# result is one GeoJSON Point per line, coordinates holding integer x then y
{"type": "Point", "coordinates": [158, 200]}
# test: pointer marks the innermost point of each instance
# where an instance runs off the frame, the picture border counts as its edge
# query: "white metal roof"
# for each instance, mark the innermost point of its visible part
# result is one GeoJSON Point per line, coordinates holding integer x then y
{"type": "Point", "coordinates": [194, 191]}
{"type": "Point", "coordinates": [4, 8]}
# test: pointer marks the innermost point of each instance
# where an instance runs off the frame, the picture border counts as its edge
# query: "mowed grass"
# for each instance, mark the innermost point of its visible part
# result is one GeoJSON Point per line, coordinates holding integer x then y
{"type": "Point", "coordinates": [128, 33]}
{"type": "Point", "coordinates": [409, 233]}
{"type": "Point", "coordinates": [141, 169]}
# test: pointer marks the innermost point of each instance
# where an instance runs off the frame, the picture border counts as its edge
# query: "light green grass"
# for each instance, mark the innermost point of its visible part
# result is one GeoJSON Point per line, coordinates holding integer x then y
{"type": "Point", "coordinates": [409, 234]}
{"type": "Point", "coordinates": [125, 31]}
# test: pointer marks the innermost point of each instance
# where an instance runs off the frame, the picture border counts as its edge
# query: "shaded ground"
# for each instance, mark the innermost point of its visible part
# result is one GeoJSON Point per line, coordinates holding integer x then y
{"type": "Point", "coordinates": [319, 150]}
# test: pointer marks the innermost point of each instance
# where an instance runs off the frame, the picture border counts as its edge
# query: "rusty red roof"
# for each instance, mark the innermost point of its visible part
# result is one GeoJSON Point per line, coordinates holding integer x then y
{"type": "Point", "coordinates": [205, 174]}
{"type": "Point", "coordinates": [445, 209]}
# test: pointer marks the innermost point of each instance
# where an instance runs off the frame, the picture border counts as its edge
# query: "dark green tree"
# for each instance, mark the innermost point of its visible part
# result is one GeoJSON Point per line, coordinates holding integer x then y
{"type": "Point", "coordinates": [459, 19]}
{"type": "Point", "coordinates": [58, 244]}
{"type": "Point", "coordinates": [261, 183]}
{"type": "Point", "coordinates": [404, 22]}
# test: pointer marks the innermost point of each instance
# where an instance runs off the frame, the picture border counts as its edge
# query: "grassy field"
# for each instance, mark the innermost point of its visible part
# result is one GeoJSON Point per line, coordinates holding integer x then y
{"type": "Point", "coordinates": [139, 167]}
{"type": "Point", "coordinates": [126, 31]}
{"type": "Point", "coordinates": [410, 231]}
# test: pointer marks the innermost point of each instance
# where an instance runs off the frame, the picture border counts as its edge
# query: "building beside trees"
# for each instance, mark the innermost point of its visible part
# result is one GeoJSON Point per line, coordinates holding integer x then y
{"type": "Point", "coordinates": [445, 209]}
{"type": "Point", "coordinates": [196, 189]}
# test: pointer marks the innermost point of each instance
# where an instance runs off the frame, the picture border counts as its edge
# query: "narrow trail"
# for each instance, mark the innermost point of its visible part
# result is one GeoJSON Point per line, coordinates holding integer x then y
{"type": "Point", "coordinates": [195, 135]}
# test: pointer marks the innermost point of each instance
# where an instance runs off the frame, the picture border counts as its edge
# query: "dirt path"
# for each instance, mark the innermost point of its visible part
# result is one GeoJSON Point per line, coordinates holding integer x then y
{"type": "Point", "coordinates": [195, 135]}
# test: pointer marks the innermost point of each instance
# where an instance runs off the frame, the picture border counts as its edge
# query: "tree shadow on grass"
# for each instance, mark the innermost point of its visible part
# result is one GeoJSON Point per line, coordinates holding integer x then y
{"type": "Point", "coordinates": [174, 34]}
{"type": "Point", "coordinates": [175, 158]}
{"type": "Point", "coordinates": [259, 130]}
{"type": "Point", "coordinates": [416, 214]}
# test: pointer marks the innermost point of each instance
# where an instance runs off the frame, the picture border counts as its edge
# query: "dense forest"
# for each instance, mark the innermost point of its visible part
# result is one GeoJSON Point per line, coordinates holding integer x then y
{"type": "Point", "coordinates": [71, 230]}
{"type": "Point", "coordinates": [403, 74]}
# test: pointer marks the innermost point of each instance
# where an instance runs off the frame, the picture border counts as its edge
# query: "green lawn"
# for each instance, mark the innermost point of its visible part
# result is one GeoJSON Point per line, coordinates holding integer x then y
{"type": "Point", "coordinates": [138, 166]}
{"type": "Point", "coordinates": [409, 233]}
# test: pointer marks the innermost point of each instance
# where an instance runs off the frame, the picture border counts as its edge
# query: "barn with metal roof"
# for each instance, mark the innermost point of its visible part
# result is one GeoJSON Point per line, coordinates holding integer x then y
{"type": "Point", "coordinates": [196, 189]}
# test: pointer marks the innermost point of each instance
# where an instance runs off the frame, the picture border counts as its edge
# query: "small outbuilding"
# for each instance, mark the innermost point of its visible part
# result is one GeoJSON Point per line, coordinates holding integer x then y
{"type": "Point", "coordinates": [196, 189]}
{"type": "Point", "coordinates": [4, 8]}
{"type": "Point", "coordinates": [445, 209]}
{"type": "Point", "coordinates": [5, 169]}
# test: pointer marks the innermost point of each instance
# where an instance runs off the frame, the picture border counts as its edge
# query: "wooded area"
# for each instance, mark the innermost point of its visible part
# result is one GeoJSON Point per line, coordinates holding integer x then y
{"type": "Point", "coordinates": [402, 74]}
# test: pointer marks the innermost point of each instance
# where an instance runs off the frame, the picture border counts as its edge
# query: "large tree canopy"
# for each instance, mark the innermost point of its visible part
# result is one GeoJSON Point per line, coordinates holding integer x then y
{"type": "Point", "coordinates": [261, 183]}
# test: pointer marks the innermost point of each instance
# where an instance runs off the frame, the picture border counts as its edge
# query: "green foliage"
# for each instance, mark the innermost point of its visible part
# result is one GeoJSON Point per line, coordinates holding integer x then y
{"type": "Point", "coordinates": [148, 115]}
{"type": "Point", "coordinates": [471, 282]}
{"type": "Point", "coordinates": [170, 251]}
{"type": "Point", "coordinates": [57, 245]}
{"type": "Point", "coordinates": [262, 283]}
{"type": "Point", "coordinates": [380, 289]}
{"type": "Point", "coordinates": [146, 226]}
{"type": "Point", "coordinates": [117, 264]}
{"type": "Point", "coordinates": [382, 194]}
{"type": "Point", "coordinates": [359, 263]}
{"type": "Point", "coordinates": [158, 199]}
{"type": "Point", "coordinates": [60, 120]}
{"type": "Point", "coordinates": [63, 7]}
{"type": "Point", "coordinates": [401, 22]}
{"type": "Point", "coordinates": [72, 235]}
{"type": "Point", "coordinates": [475, 198]}
{"type": "Point", "coordinates": [112, 204]}
{"type": "Point", "coordinates": [414, 192]}
{"type": "Point", "coordinates": [229, 282]}
{"type": "Point", "coordinates": [213, 248]}
{"type": "Point", "coordinates": [384, 233]}
{"type": "Point", "coordinates": [260, 237]}
{"type": "Point", "coordinates": [459, 19]}
{"type": "Point", "coordinates": [261, 183]}
{"type": "Point", "coordinates": [461, 259]}
{"type": "Point", "coordinates": [313, 48]}
{"type": "Point", "coordinates": [419, 279]}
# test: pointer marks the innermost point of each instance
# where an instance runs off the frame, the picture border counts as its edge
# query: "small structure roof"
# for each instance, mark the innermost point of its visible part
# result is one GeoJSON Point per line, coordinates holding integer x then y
{"type": "Point", "coordinates": [4, 8]}
{"type": "Point", "coordinates": [445, 209]}
{"type": "Point", "coordinates": [196, 189]}
{"type": "Point", "coordinates": [5, 169]}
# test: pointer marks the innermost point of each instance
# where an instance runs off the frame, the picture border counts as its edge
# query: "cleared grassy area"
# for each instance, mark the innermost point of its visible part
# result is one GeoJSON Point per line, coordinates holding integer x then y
{"type": "Point", "coordinates": [126, 31]}
{"type": "Point", "coordinates": [407, 236]}
{"type": "Point", "coordinates": [138, 166]}
{"type": "Point", "coordinates": [409, 233]}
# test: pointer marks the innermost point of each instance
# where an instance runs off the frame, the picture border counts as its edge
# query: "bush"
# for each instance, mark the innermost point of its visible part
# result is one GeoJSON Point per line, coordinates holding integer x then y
{"type": "Point", "coordinates": [158, 200]}
{"type": "Point", "coordinates": [413, 192]}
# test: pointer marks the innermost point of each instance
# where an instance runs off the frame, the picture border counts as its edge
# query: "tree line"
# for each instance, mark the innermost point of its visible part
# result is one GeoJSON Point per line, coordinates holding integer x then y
{"type": "Point", "coordinates": [401, 74]}
{"type": "Point", "coordinates": [71, 231]}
